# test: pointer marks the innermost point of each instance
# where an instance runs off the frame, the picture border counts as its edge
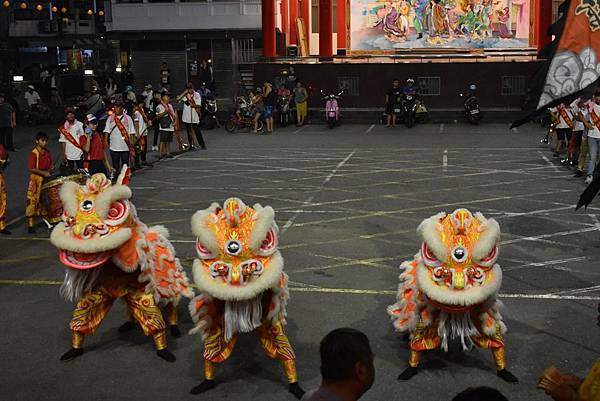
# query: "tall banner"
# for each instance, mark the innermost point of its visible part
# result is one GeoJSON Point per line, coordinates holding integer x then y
{"type": "Point", "coordinates": [384, 25]}
{"type": "Point", "coordinates": [574, 66]}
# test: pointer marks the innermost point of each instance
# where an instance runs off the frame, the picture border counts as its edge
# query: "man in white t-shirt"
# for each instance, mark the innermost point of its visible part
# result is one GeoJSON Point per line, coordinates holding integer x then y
{"type": "Point", "coordinates": [148, 94]}
{"type": "Point", "coordinates": [563, 118]}
{"type": "Point", "coordinates": [580, 112]}
{"type": "Point", "coordinates": [120, 134]}
{"type": "Point", "coordinates": [577, 136]}
{"type": "Point", "coordinates": [72, 141]}
{"type": "Point", "coordinates": [192, 109]}
{"type": "Point", "coordinates": [32, 97]}
{"type": "Point", "coordinates": [141, 123]}
{"type": "Point", "coordinates": [593, 137]}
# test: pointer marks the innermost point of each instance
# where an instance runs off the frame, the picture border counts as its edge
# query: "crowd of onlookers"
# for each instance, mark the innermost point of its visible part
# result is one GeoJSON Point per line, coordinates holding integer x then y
{"type": "Point", "coordinates": [575, 135]}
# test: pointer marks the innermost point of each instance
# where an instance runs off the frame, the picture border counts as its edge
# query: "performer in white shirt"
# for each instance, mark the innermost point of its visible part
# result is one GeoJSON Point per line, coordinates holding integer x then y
{"type": "Point", "coordinates": [141, 123]}
{"type": "Point", "coordinates": [561, 114]}
{"type": "Point", "coordinates": [192, 110]}
{"type": "Point", "coordinates": [120, 134]}
{"type": "Point", "coordinates": [72, 140]}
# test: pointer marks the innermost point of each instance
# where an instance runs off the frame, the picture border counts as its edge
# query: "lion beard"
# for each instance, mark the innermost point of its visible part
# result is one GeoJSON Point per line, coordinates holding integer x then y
{"type": "Point", "coordinates": [76, 282]}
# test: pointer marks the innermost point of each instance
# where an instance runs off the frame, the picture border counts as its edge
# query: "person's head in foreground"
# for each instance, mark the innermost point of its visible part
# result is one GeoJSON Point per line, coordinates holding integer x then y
{"type": "Point", "coordinates": [482, 393]}
{"type": "Point", "coordinates": [347, 368]}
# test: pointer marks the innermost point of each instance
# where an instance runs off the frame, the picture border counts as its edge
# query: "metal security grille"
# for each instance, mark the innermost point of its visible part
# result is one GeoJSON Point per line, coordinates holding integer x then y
{"type": "Point", "coordinates": [428, 86]}
{"type": "Point", "coordinates": [513, 85]}
{"type": "Point", "coordinates": [350, 85]}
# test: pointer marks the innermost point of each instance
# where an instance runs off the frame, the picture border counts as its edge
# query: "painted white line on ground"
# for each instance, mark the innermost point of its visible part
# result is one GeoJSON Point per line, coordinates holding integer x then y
{"type": "Point", "coordinates": [445, 161]}
{"type": "Point", "coordinates": [370, 128]}
{"type": "Point", "coordinates": [595, 220]}
{"type": "Point", "coordinates": [300, 129]}
{"type": "Point", "coordinates": [307, 202]}
{"type": "Point", "coordinates": [558, 234]}
{"type": "Point", "coordinates": [548, 161]}
{"type": "Point", "coordinates": [544, 263]}
{"type": "Point", "coordinates": [515, 130]}
{"type": "Point", "coordinates": [442, 128]}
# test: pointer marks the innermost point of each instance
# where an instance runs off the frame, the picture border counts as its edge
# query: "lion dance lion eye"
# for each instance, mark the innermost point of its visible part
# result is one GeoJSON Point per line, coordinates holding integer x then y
{"type": "Point", "coordinates": [117, 213]}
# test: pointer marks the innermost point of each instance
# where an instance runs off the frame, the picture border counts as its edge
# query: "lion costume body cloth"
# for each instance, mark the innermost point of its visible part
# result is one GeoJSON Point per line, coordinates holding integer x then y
{"type": "Point", "coordinates": [109, 254]}
{"type": "Point", "coordinates": [449, 290]}
{"type": "Point", "coordinates": [243, 287]}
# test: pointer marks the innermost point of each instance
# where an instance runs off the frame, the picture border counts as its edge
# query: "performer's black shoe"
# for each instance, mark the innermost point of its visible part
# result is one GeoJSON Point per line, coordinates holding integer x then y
{"type": "Point", "coordinates": [203, 387]}
{"type": "Point", "coordinates": [296, 390]}
{"type": "Point", "coordinates": [175, 332]}
{"type": "Point", "coordinates": [166, 355]}
{"type": "Point", "coordinates": [5, 232]}
{"type": "Point", "coordinates": [507, 376]}
{"type": "Point", "coordinates": [408, 373]}
{"type": "Point", "coordinates": [578, 173]}
{"type": "Point", "coordinates": [71, 354]}
{"type": "Point", "coordinates": [127, 326]}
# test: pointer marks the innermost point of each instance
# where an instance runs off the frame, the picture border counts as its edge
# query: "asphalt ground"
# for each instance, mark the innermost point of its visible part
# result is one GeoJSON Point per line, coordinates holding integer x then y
{"type": "Point", "coordinates": [348, 202]}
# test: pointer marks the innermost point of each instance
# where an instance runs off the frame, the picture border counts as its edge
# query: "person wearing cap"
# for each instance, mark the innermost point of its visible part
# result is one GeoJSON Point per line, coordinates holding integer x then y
{"type": "Point", "coordinates": [32, 97]}
{"type": "Point", "coordinates": [8, 122]}
{"type": "Point", "coordinates": [72, 140]}
{"type": "Point", "coordinates": [167, 121]}
{"type": "Point", "coordinates": [141, 123]}
{"type": "Point", "coordinates": [192, 104]}
{"type": "Point", "coordinates": [119, 132]}
{"type": "Point", "coordinates": [95, 159]}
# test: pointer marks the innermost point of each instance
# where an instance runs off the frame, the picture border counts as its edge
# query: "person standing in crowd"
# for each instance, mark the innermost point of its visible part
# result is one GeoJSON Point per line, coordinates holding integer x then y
{"type": "Point", "coordinates": [581, 114]}
{"type": "Point", "coordinates": [111, 87]}
{"type": "Point", "coordinates": [127, 78]}
{"type": "Point", "coordinates": [167, 120]}
{"type": "Point", "coordinates": [564, 125]}
{"type": "Point", "coordinates": [141, 123]}
{"type": "Point", "coordinates": [72, 140]}
{"type": "Point", "coordinates": [119, 132]}
{"type": "Point", "coordinates": [192, 108]}
{"type": "Point", "coordinates": [40, 166]}
{"type": "Point", "coordinates": [577, 136]}
{"type": "Point", "coordinates": [3, 165]}
{"type": "Point", "coordinates": [269, 100]}
{"type": "Point", "coordinates": [165, 76]}
{"type": "Point", "coordinates": [55, 97]}
{"type": "Point", "coordinates": [148, 94]}
{"type": "Point", "coordinates": [206, 72]}
{"type": "Point", "coordinates": [156, 99]}
{"type": "Point", "coordinates": [93, 104]}
{"type": "Point", "coordinates": [32, 97]}
{"type": "Point", "coordinates": [347, 367]}
{"type": "Point", "coordinates": [257, 101]}
{"type": "Point", "coordinates": [95, 160]}
{"type": "Point", "coordinates": [8, 122]}
{"type": "Point", "coordinates": [392, 97]}
{"type": "Point", "coordinates": [301, 100]}
{"type": "Point", "coordinates": [593, 138]}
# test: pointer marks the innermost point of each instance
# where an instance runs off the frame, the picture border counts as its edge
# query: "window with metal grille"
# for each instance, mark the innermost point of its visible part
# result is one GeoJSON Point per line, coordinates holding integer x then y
{"type": "Point", "coordinates": [428, 86]}
{"type": "Point", "coordinates": [513, 85]}
{"type": "Point", "coordinates": [349, 85]}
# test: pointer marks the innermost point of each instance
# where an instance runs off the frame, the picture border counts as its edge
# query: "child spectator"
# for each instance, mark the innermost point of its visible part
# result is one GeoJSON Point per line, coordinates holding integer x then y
{"type": "Point", "coordinates": [40, 166]}
{"type": "Point", "coordinates": [96, 160]}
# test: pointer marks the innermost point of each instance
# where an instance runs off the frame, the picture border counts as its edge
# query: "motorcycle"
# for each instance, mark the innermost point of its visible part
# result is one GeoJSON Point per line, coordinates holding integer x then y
{"type": "Point", "coordinates": [243, 118]}
{"type": "Point", "coordinates": [409, 110]}
{"type": "Point", "coordinates": [283, 110]}
{"type": "Point", "coordinates": [210, 112]}
{"type": "Point", "coordinates": [472, 111]}
{"type": "Point", "coordinates": [332, 108]}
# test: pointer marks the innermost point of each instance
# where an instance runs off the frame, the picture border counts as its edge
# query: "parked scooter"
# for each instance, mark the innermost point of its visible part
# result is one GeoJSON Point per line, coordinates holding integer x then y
{"type": "Point", "coordinates": [283, 110]}
{"type": "Point", "coordinates": [332, 108]}
{"type": "Point", "coordinates": [210, 111]}
{"type": "Point", "coordinates": [472, 111]}
{"type": "Point", "coordinates": [408, 108]}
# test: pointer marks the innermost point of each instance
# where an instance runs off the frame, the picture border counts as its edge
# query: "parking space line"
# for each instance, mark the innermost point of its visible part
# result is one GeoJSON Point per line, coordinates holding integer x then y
{"type": "Point", "coordinates": [370, 128]}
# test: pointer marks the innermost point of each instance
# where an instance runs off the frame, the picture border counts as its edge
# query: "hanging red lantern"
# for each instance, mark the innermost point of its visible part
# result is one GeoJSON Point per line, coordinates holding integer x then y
{"type": "Point", "coordinates": [6, 3]}
{"type": "Point", "coordinates": [54, 9]}
{"type": "Point", "coordinates": [23, 5]}
{"type": "Point", "coordinates": [101, 13]}
{"type": "Point", "coordinates": [39, 7]}
{"type": "Point", "coordinates": [63, 10]}
{"type": "Point", "coordinates": [90, 12]}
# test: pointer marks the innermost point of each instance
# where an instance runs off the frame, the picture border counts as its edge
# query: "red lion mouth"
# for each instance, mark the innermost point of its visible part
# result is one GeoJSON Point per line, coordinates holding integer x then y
{"type": "Point", "coordinates": [83, 261]}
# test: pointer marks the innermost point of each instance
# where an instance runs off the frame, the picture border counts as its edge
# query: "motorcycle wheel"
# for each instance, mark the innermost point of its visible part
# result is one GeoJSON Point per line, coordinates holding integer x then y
{"type": "Point", "coordinates": [409, 121]}
{"type": "Point", "coordinates": [231, 126]}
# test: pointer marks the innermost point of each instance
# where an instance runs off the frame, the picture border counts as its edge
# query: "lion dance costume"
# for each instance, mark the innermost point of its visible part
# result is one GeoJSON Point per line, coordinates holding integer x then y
{"type": "Point", "coordinates": [242, 284]}
{"type": "Point", "coordinates": [109, 254]}
{"type": "Point", "coordinates": [450, 289]}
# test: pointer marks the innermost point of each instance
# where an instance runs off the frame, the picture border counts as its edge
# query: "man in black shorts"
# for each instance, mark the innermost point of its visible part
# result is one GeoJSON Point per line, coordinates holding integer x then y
{"type": "Point", "coordinates": [564, 126]}
{"type": "Point", "coordinates": [392, 102]}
